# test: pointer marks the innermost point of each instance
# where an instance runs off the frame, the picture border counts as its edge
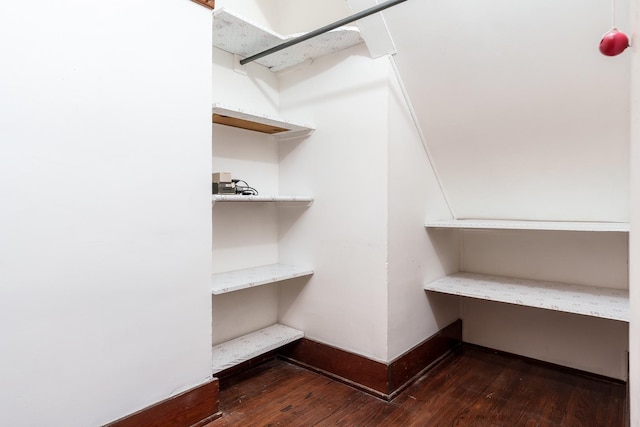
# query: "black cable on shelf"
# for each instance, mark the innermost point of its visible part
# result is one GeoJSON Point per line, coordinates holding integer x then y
{"type": "Point", "coordinates": [245, 189]}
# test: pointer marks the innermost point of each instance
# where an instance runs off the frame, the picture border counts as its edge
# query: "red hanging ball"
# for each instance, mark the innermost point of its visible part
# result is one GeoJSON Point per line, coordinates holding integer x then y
{"type": "Point", "coordinates": [613, 43]}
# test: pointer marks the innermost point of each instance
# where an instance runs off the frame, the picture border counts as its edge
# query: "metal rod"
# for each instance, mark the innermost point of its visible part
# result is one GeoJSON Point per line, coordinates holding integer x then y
{"type": "Point", "coordinates": [307, 36]}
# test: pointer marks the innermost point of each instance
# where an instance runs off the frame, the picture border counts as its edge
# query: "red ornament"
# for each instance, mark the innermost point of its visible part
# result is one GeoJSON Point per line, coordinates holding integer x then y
{"type": "Point", "coordinates": [613, 43]}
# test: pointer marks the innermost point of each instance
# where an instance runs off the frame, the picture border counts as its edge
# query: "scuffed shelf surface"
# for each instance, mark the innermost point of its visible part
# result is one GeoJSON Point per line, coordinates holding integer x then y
{"type": "Point", "coordinates": [242, 37]}
{"type": "Point", "coordinates": [621, 227]}
{"type": "Point", "coordinates": [245, 119]}
{"type": "Point", "coordinates": [236, 351]}
{"type": "Point", "coordinates": [281, 200]}
{"type": "Point", "coordinates": [586, 300]}
{"type": "Point", "coordinates": [256, 276]}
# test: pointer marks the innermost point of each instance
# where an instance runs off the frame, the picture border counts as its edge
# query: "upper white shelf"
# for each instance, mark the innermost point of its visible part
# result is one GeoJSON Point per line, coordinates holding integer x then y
{"type": "Point", "coordinates": [621, 227]}
{"type": "Point", "coordinates": [239, 36]}
{"type": "Point", "coordinates": [601, 302]}
{"type": "Point", "coordinates": [280, 200]}
{"type": "Point", "coordinates": [231, 281]}
{"type": "Point", "coordinates": [241, 118]}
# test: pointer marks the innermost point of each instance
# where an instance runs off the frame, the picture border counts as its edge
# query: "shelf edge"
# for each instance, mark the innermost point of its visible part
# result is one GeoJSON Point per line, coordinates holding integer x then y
{"type": "Point", "coordinates": [233, 352]}
{"type": "Point", "coordinates": [612, 227]}
{"type": "Point", "coordinates": [540, 294]}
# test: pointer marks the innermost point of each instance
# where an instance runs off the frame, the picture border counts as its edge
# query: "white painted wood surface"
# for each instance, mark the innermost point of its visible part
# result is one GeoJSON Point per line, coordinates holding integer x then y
{"type": "Point", "coordinates": [294, 129]}
{"type": "Point", "coordinates": [256, 276]}
{"type": "Point", "coordinates": [236, 351]}
{"type": "Point", "coordinates": [600, 302]}
{"type": "Point", "coordinates": [280, 200]}
{"type": "Point", "coordinates": [496, 224]}
{"type": "Point", "coordinates": [238, 35]}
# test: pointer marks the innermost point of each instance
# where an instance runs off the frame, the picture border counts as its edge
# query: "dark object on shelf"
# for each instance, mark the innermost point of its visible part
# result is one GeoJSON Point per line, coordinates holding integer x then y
{"type": "Point", "coordinates": [222, 183]}
{"type": "Point", "coordinates": [224, 188]}
{"type": "Point", "coordinates": [246, 189]}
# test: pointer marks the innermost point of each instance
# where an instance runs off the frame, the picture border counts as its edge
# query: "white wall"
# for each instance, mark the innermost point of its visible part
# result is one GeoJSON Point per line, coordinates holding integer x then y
{"type": "Point", "coordinates": [581, 342]}
{"type": "Point", "coordinates": [243, 237]}
{"type": "Point", "coordinates": [595, 259]}
{"type": "Point", "coordinates": [634, 250]}
{"type": "Point", "coordinates": [525, 119]}
{"type": "Point", "coordinates": [344, 233]}
{"type": "Point", "coordinates": [261, 12]}
{"type": "Point", "coordinates": [105, 219]}
{"type": "Point", "coordinates": [288, 17]}
{"type": "Point", "coordinates": [297, 16]}
{"type": "Point", "coordinates": [415, 256]}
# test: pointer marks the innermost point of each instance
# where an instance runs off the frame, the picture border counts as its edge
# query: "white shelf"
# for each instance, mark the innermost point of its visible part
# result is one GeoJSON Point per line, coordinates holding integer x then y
{"type": "Point", "coordinates": [244, 38]}
{"type": "Point", "coordinates": [586, 300]}
{"type": "Point", "coordinates": [280, 200]}
{"type": "Point", "coordinates": [621, 227]}
{"type": "Point", "coordinates": [257, 276]}
{"type": "Point", "coordinates": [244, 119]}
{"type": "Point", "coordinates": [236, 351]}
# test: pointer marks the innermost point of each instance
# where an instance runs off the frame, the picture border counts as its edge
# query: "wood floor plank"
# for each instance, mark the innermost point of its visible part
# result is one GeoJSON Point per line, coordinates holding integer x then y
{"type": "Point", "coordinates": [473, 387]}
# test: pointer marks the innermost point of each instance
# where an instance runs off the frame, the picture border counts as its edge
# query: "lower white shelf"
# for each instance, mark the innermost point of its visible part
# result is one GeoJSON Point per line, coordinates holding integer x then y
{"type": "Point", "coordinates": [586, 300]}
{"type": "Point", "coordinates": [236, 351]}
{"type": "Point", "coordinates": [250, 277]}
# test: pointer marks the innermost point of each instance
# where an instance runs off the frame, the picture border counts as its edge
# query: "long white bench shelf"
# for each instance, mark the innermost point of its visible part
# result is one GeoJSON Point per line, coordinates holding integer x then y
{"type": "Point", "coordinates": [280, 200]}
{"type": "Point", "coordinates": [236, 351]}
{"type": "Point", "coordinates": [621, 227]}
{"type": "Point", "coordinates": [601, 302]}
{"type": "Point", "coordinates": [244, 119]}
{"type": "Point", "coordinates": [231, 281]}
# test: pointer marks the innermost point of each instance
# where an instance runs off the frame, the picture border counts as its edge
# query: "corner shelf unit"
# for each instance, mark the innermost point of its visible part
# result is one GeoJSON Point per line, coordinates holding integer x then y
{"type": "Point", "coordinates": [254, 344]}
{"type": "Point", "coordinates": [592, 301]}
{"type": "Point", "coordinates": [491, 224]}
{"type": "Point", "coordinates": [256, 276]}
{"type": "Point", "coordinates": [242, 349]}
{"type": "Point", "coordinates": [240, 36]}
{"type": "Point", "coordinates": [244, 119]}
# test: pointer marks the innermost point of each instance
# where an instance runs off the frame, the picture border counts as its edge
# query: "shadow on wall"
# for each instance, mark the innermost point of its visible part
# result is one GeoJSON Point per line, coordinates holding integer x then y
{"type": "Point", "coordinates": [443, 305]}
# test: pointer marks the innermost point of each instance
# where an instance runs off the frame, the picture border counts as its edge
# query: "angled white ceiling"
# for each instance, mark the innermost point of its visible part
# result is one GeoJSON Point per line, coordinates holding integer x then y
{"type": "Point", "coordinates": [525, 119]}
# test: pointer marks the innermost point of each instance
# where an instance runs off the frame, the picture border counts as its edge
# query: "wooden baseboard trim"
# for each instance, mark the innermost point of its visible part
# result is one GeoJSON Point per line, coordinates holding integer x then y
{"type": "Point", "coordinates": [407, 368]}
{"type": "Point", "coordinates": [231, 372]}
{"type": "Point", "coordinates": [358, 371]}
{"type": "Point", "coordinates": [627, 407]}
{"type": "Point", "coordinates": [379, 379]}
{"type": "Point", "coordinates": [192, 408]}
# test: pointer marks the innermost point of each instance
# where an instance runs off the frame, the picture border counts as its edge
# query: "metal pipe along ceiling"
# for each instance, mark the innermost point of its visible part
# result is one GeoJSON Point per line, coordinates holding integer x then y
{"type": "Point", "coordinates": [322, 30]}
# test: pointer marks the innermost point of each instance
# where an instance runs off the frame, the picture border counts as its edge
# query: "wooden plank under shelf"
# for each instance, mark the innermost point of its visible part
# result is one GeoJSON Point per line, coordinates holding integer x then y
{"type": "Point", "coordinates": [231, 281]}
{"type": "Point", "coordinates": [231, 353]}
{"type": "Point", "coordinates": [496, 224]}
{"type": "Point", "coordinates": [592, 301]}
{"type": "Point", "coordinates": [247, 124]}
{"type": "Point", "coordinates": [209, 4]}
{"type": "Point", "coordinates": [241, 118]}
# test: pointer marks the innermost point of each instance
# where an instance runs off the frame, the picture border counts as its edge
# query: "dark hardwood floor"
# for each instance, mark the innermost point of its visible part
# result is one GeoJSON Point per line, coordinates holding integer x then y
{"type": "Point", "coordinates": [473, 387]}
